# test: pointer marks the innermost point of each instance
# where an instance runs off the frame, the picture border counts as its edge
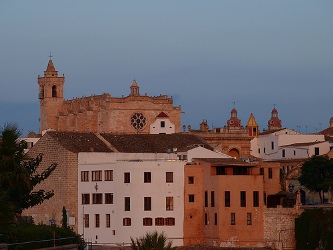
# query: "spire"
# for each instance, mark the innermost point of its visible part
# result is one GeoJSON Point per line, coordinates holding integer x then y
{"type": "Point", "coordinates": [135, 91]}
{"type": "Point", "coordinates": [50, 69]}
{"type": "Point", "coordinates": [252, 126]}
{"type": "Point", "coordinates": [234, 121]}
{"type": "Point", "coordinates": [274, 122]}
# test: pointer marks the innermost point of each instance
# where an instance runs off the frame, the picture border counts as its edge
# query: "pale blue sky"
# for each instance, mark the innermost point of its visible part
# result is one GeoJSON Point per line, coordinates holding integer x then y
{"type": "Point", "coordinates": [206, 54]}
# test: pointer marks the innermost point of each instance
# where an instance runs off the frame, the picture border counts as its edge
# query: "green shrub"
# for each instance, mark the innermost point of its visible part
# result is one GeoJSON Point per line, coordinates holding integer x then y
{"type": "Point", "coordinates": [38, 236]}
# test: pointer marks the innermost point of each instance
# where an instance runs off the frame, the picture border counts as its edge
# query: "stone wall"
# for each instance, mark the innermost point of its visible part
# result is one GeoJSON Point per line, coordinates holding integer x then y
{"type": "Point", "coordinates": [279, 226]}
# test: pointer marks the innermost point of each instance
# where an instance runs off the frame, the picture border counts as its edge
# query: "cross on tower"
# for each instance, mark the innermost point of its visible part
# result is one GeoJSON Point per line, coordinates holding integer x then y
{"type": "Point", "coordinates": [50, 56]}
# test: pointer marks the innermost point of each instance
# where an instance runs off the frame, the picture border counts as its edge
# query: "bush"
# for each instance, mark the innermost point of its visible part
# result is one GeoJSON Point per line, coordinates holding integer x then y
{"type": "Point", "coordinates": [38, 236]}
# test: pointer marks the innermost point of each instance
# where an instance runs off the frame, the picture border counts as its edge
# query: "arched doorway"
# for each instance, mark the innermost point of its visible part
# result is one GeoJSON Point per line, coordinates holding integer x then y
{"type": "Point", "coordinates": [303, 197]}
{"type": "Point", "coordinates": [234, 153]}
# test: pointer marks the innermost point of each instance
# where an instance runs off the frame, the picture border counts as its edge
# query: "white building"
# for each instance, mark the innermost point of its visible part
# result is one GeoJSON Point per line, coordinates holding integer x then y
{"type": "Point", "coordinates": [288, 144]}
{"type": "Point", "coordinates": [126, 194]}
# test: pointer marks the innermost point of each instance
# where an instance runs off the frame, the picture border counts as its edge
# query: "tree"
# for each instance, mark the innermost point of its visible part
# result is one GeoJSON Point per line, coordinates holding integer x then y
{"type": "Point", "coordinates": [317, 174]}
{"type": "Point", "coordinates": [19, 175]}
{"type": "Point", "coordinates": [151, 241]}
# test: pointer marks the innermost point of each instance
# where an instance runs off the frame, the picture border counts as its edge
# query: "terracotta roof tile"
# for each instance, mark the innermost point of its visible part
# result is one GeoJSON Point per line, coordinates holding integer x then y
{"type": "Point", "coordinates": [226, 161]}
{"type": "Point", "coordinates": [157, 143]}
{"type": "Point", "coordinates": [79, 142]}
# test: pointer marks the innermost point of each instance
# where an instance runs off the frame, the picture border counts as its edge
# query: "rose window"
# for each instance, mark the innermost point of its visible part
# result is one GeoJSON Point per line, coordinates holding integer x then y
{"type": "Point", "coordinates": [138, 121]}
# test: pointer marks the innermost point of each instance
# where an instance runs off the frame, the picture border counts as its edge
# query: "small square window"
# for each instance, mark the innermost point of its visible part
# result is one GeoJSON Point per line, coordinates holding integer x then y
{"type": "Point", "coordinates": [97, 198]}
{"type": "Point", "coordinates": [96, 175]}
{"type": "Point", "coordinates": [162, 124]}
{"type": "Point", "coordinates": [147, 221]}
{"type": "Point", "coordinates": [127, 221]}
{"type": "Point", "coordinates": [159, 221]}
{"type": "Point", "coordinates": [191, 198]}
{"type": "Point", "coordinates": [147, 177]}
{"type": "Point", "coordinates": [191, 180]}
{"type": "Point", "coordinates": [109, 198]}
{"type": "Point", "coordinates": [170, 221]}
{"type": "Point", "coordinates": [85, 199]}
{"type": "Point", "coordinates": [108, 175]}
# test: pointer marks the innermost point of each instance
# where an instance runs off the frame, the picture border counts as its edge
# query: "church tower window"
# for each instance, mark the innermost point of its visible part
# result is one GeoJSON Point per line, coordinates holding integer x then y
{"type": "Point", "coordinates": [54, 91]}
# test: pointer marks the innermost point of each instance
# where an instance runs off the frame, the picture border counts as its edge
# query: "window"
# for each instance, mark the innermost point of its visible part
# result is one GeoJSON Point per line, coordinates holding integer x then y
{"type": "Point", "coordinates": [249, 218]}
{"type": "Point", "coordinates": [54, 91]}
{"type": "Point", "coordinates": [272, 145]}
{"type": "Point", "coordinates": [107, 220]}
{"type": "Point", "coordinates": [258, 150]}
{"type": "Point", "coordinates": [270, 173]}
{"type": "Point", "coordinates": [240, 171]}
{"type": "Point", "coordinates": [162, 124]}
{"type": "Point", "coordinates": [265, 197]}
{"type": "Point", "coordinates": [243, 198]}
{"type": "Point", "coordinates": [109, 198]}
{"type": "Point", "coordinates": [191, 180]}
{"type": "Point", "coordinates": [233, 219]}
{"type": "Point", "coordinates": [215, 219]}
{"type": "Point", "coordinates": [220, 171]}
{"type": "Point", "coordinates": [147, 203]}
{"type": "Point", "coordinates": [169, 221]}
{"type": "Point", "coordinates": [169, 177]}
{"type": "Point", "coordinates": [169, 203]}
{"type": "Point", "coordinates": [159, 221]}
{"type": "Point", "coordinates": [127, 177]}
{"type": "Point", "coordinates": [147, 221]}
{"type": "Point", "coordinates": [126, 221]}
{"type": "Point", "coordinates": [206, 199]}
{"type": "Point", "coordinates": [264, 150]}
{"type": "Point", "coordinates": [97, 199]}
{"type": "Point", "coordinates": [206, 219]}
{"type": "Point", "coordinates": [283, 153]}
{"type": "Point", "coordinates": [147, 177]}
{"type": "Point", "coordinates": [191, 198]}
{"type": "Point", "coordinates": [108, 175]}
{"type": "Point", "coordinates": [84, 175]}
{"type": "Point", "coordinates": [227, 198]}
{"type": "Point", "coordinates": [256, 198]}
{"type": "Point", "coordinates": [86, 220]}
{"type": "Point", "coordinates": [294, 152]}
{"type": "Point", "coordinates": [127, 204]}
{"type": "Point", "coordinates": [212, 199]}
{"type": "Point", "coordinates": [97, 220]}
{"type": "Point", "coordinates": [96, 175]}
{"type": "Point", "coordinates": [262, 171]}
{"type": "Point", "coordinates": [85, 199]}
{"type": "Point", "coordinates": [316, 151]}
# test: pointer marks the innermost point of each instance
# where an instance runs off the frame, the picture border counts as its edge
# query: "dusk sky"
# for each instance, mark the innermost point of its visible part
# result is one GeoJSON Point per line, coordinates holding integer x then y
{"type": "Point", "coordinates": [210, 56]}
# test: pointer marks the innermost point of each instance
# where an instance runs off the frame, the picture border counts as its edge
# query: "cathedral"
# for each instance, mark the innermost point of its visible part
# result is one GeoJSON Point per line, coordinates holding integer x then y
{"type": "Point", "coordinates": [134, 113]}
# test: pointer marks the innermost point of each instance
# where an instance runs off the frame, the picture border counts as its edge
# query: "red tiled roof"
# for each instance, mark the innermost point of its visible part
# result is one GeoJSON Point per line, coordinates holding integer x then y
{"type": "Point", "coordinates": [225, 161]}
{"type": "Point", "coordinates": [157, 143]}
{"type": "Point", "coordinates": [162, 114]}
{"type": "Point", "coordinates": [79, 142]}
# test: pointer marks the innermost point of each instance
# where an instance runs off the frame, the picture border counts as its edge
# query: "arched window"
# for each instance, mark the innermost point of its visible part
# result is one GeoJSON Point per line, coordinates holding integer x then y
{"type": "Point", "coordinates": [234, 153]}
{"type": "Point", "coordinates": [41, 94]}
{"type": "Point", "coordinates": [54, 91]}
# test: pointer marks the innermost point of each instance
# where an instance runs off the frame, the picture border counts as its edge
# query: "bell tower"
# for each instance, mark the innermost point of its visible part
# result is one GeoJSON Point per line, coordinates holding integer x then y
{"type": "Point", "coordinates": [51, 97]}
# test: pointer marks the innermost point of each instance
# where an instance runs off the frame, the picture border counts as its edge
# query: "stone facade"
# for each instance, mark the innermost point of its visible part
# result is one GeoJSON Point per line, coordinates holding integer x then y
{"type": "Point", "coordinates": [63, 181]}
{"type": "Point", "coordinates": [100, 113]}
{"type": "Point", "coordinates": [279, 224]}
{"type": "Point", "coordinates": [233, 139]}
